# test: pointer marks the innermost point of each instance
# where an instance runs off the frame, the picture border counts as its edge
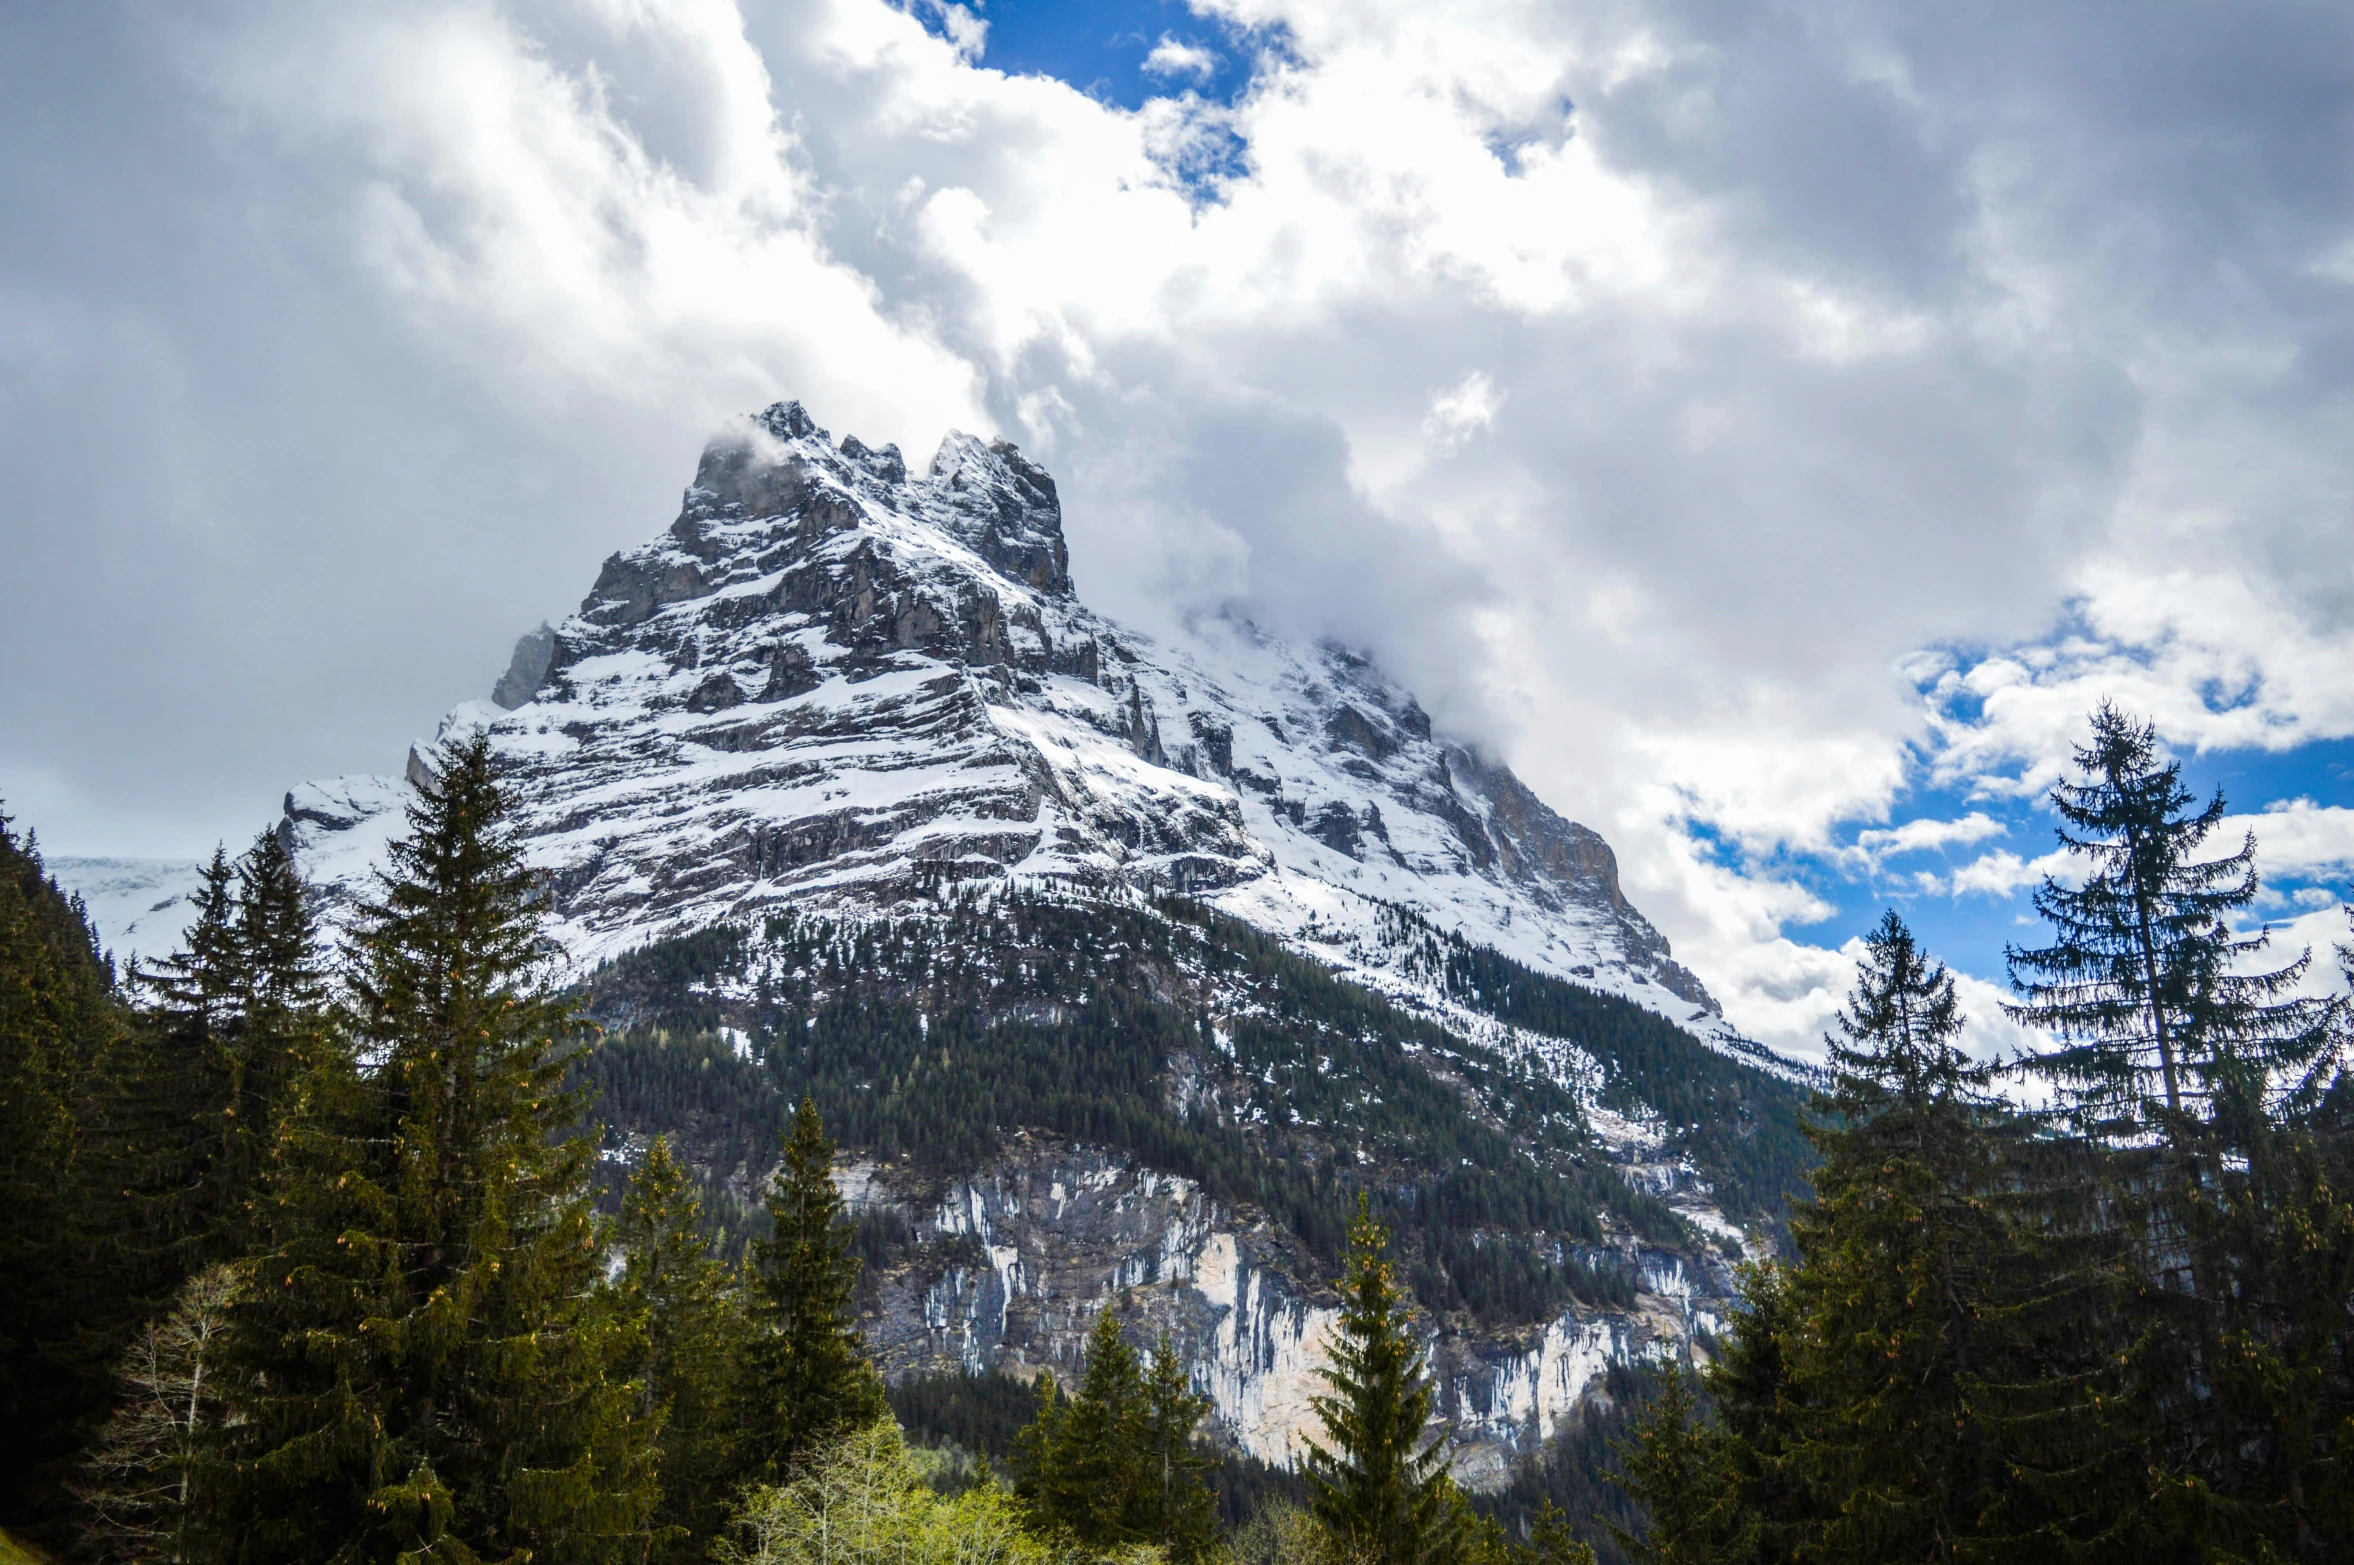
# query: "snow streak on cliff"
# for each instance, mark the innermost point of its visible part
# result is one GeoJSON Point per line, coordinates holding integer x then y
{"type": "Point", "coordinates": [833, 684]}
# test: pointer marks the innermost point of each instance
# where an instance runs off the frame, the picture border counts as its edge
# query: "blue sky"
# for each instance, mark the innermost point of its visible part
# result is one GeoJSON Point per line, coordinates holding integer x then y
{"type": "Point", "coordinates": [1713, 411]}
{"type": "Point", "coordinates": [1102, 49]}
{"type": "Point", "coordinates": [1971, 928]}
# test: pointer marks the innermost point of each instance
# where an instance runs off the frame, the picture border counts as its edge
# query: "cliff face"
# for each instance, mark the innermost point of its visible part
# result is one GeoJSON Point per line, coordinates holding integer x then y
{"type": "Point", "coordinates": [1014, 1263]}
{"type": "Point", "coordinates": [1052, 1106]}
{"type": "Point", "coordinates": [836, 693]}
{"type": "Point", "coordinates": [831, 682]}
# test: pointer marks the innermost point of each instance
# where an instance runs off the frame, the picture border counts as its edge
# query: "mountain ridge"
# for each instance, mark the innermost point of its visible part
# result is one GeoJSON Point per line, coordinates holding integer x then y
{"type": "Point", "coordinates": [830, 682]}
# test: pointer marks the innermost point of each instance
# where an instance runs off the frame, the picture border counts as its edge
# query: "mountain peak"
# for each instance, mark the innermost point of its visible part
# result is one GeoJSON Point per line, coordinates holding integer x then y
{"type": "Point", "coordinates": [779, 465]}
{"type": "Point", "coordinates": [831, 683]}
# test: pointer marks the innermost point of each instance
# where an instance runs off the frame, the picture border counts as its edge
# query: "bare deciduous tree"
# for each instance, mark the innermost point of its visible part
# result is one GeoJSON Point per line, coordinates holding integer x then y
{"type": "Point", "coordinates": [139, 1484]}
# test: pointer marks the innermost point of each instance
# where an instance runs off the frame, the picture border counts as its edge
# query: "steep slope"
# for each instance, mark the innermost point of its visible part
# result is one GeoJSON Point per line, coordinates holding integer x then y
{"type": "Point", "coordinates": [1121, 968]}
{"type": "Point", "coordinates": [1048, 1106]}
{"type": "Point", "coordinates": [140, 907]}
{"type": "Point", "coordinates": [831, 684]}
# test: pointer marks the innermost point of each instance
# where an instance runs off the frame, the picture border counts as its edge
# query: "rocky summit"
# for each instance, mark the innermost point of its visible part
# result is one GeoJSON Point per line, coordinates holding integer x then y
{"type": "Point", "coordinates": [834, 683]}
{"type": "Point", "coordinates": [1121, 968]}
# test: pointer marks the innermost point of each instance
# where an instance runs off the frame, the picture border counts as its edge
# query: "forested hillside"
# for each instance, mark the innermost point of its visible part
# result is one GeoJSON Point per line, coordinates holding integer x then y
{"type": "Point", "coordinates": [1202, 1048]}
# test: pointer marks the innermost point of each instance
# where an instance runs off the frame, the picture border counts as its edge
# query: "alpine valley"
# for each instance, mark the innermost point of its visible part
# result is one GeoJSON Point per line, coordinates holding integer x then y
{"type": "Point", "coordinates": [1120, 968]}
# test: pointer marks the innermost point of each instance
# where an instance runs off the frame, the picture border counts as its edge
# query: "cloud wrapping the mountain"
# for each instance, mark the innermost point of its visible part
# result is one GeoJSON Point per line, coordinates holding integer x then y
{"type": "Point", "coordinates": [1732, 414]}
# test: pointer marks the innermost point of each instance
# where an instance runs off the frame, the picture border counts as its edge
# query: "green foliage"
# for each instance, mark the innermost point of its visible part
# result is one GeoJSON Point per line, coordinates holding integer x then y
{"type": "Point", "coordinates": [677, 1299]}
{"type": "Point", "coordinates": [859, 1498]}
{"type": "Point", "coordinates": [1282, 1532]}
{"type": "Point", "coordinates": [1681, 1471]}
{"type": "Point", "coordinates": [982, 1413]}
{"type": "Point", "coordinates": [930, 1039]}
{"type": "Point", "coordinates": [1116, 1464]}
{"type": "Point", "coordinates": [1381, 1489]}
{"type": "Point", "coordinates": [1927, 1322]}
{"type": "Point", "coordinates": [427, 1366]}
{"type": "Point", "coordinates": [62, 1293]}
{"type": "Point", "coordinates": [806, 1377]}
{"type": "Point", "coordinates": [1552, 1542]}
{"type": "Point", "coordinates": [222, 1026]}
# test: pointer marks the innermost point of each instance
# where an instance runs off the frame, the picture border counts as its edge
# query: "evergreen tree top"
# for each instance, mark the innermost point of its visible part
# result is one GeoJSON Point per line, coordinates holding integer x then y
{"type": "Point", "coordinates": [1380, 1486]}
{"type": "Point", "coordinates": [2146, 982]}
{"type": "Point", "coordinates": [1898, 1032]}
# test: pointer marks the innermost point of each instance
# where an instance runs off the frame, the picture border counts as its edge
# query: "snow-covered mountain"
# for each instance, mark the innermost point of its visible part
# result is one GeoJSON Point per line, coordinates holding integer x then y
{"type": "Point", "coordinates": [836, 685]}
{"type": "Point", "coordinates": [140, 907]}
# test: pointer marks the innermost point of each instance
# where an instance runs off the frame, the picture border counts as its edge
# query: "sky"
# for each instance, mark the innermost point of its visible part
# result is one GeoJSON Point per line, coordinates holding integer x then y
{"type": "Point", "coordinates": [1772, 428]}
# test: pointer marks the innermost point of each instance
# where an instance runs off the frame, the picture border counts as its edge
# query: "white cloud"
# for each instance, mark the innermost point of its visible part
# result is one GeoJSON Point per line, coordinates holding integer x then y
{"type": "Point", "coordinates": [2002, 873]}
{"type": "Point", "coordinates": [1463, 410]}
{"type": "Point", "coordinates": [1812, 365]}
{"type": "Point", "coordinates": [1874, 846]}
{"type": "Point", "coordinates": [2297, 839]}
{"type": "Point", "coordinates": [526, 223]}
{"type": "Point", "coordinates": [1172, 57]}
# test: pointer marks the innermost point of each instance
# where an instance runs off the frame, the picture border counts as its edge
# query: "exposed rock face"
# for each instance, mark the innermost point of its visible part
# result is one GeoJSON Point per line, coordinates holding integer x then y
{"type": "Point", "coordinates": [836, 686]}
{"type": "Point", "coordinates": [528, 668]}
{"type": "Point", "coordinates": [833, 683]}
{"type": "Point", "coordinates": [1016, 1262]}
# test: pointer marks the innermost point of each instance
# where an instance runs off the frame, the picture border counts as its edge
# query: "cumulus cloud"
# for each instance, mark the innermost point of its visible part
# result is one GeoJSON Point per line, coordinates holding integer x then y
{"type": "Point", "coordinates": [1171, 57]}
{"type": "Point", "coordinates": [1733, 424]}
{"type": "Point", "coordinates": [1463, 410]}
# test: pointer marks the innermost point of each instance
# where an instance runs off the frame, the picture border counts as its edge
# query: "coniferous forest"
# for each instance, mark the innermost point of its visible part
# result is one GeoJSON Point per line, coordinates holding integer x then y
{"type": "Point", "coordinates": [322, 1254]}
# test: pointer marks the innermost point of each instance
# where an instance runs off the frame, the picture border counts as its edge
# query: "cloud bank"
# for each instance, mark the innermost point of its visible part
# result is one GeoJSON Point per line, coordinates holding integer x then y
{"type": "Point", "coordinates": [1745, 420]}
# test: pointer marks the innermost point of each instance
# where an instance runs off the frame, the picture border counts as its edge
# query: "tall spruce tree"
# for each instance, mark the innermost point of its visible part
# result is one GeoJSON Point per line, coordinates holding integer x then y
{"type": "Point", "coordinates": [282, 1002]}
{"type": "Point", "coordinates": [1115, 1465]}
{"type": "Point", "coordinates": [60, 1030]}
{"type": "Point", "coordinates": [1079, 1469]}
{"type": "Point", "coordinates": [1926, 1322]}
{"type": "Point", "coordinates": [678, 1294]}
{"type": "Point", "coordinates": [428, 1369]}
{"type": "Point", "coordinates": [220, 1024]}
{"type": "Point", "coordinates": [2176, 1058]}
{"type": "Point", "coordinates": [2144, 982]}
{"type": "Point", "coordinates": [153, 1129]}
{"type": "Point", "coordinates": [1680, 1468]}
{"type": "Point", "coordinates": [1174, 1506]}
{"type": "Point", "coordinates": [806, 1374]}
{"type": "Point", "coordinates": [1380, 1487]}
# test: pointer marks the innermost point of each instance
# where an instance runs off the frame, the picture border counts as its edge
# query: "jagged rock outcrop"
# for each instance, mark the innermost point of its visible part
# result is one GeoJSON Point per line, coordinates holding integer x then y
{"type": "Point", "coordinates": [834, 686]}
{"type": "Point", "coordinates": [835, 683]}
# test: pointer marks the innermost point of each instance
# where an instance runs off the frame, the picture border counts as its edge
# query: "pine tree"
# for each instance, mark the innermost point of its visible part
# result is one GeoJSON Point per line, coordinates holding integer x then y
{"type": "Point", "coordinates": [1920, 1296]}
{"type": "Point", "coordinates": [1748, 1442]}
{"type": "Point", "coordinates": [1381, 1491]}
{"type": "Point", "coordinates": [427, 1367]}
{"type": "Point", "coordinates": [2174, 1058]}
{"type": "Point", "coordinates": [169, 1134]}
{"type": "Point", "coordinates": [2144, 979]}
{"type": "Point", "coordinates": [282, 1004]}
{"type": "Point", "coordinates": [806, 1374]}
{"type": "Point", "coordinates": [1080, 1472]}
{"type": "Point", "coordinates": [1551, 1541]}
{"type": "Point", "coordinates": [59, 1030]}
{"type": "Point", "coordinates": [1115, 1465]}
{"type": "Point", "coordinates": [671, 1285]}
{"type": "Point", "coordinates": [1678, 1469]}
{"type": "Point", "coordinates": [1175, 1507]}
